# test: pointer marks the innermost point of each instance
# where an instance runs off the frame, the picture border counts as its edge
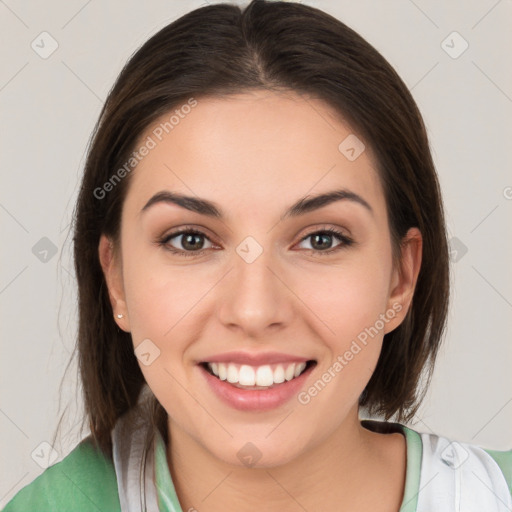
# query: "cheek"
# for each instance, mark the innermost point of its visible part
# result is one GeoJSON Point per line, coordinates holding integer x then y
{"type": "Point", "coordinates": [160, 302]}
{"type": "Point", "coordinates": [158, 295]}
{"type": "Point", "coordinates": [352, 347]}
{"type": "Point", "coordinates": [349, 297]}
{"type": "Point", "coordinates": [348, 301]}
{"type": "Point", "coordinates": [166, 305]}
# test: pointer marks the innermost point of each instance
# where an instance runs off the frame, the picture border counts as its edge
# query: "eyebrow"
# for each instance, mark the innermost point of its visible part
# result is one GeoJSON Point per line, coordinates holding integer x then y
{"type": "Point", "coordinates": [211, 209]}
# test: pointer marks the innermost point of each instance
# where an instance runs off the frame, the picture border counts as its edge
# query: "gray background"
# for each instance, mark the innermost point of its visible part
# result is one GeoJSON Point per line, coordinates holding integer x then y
{"type": "Point", "coordinates": [48, 109]}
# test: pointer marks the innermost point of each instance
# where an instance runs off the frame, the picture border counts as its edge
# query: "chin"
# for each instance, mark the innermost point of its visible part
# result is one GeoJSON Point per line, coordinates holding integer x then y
{"type": "Point", "coordinates": [257, 452]}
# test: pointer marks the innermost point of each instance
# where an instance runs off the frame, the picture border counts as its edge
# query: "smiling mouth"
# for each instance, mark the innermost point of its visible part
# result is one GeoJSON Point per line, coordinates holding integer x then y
{"type": "Point", "coordinates": [268, 376]}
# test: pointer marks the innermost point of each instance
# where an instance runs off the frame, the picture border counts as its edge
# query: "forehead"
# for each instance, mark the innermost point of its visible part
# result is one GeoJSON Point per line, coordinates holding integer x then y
{"type": "Point", "coordinates": [251, 150]}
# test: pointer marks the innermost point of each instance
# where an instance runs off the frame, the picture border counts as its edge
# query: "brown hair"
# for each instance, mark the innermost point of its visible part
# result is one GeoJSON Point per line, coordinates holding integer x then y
{"type": "Point", "coordinates": [218, 50]}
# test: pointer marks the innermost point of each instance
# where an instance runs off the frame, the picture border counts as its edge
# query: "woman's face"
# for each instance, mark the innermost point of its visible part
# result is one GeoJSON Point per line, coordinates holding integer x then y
{"type": "Point", "coordinates": [258, 280]}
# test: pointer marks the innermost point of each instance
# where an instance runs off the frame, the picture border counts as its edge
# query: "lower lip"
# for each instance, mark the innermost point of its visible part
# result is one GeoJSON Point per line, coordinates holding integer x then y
{"type": "Point", "coordinates": [256, 399]}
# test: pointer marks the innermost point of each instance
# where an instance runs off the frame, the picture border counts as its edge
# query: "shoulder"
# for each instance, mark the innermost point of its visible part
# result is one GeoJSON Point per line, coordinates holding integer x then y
{"type": "Point", "coordinates": [504, 461]}
{"type": "Point", "coordinates": [84, 480]}
{"type": "Point", "coordinates": [466, 472]}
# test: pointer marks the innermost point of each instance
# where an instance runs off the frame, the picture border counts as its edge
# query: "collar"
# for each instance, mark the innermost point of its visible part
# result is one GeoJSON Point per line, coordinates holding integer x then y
{"type": "Point", "coordinates": [453, 472]}
{"type": "Point", "coordinates": [414, 456]}
{"type": "Point", "coordinates": [168, 499]}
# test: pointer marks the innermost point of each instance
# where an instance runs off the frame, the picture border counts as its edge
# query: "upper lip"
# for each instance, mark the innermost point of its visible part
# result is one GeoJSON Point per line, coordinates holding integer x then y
{"type": "Point", "coordinates": [255, 359]}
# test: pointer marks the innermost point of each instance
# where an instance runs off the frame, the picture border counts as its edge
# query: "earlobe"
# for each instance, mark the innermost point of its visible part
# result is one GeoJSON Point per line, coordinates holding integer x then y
{"type": "Point", "coordinates": [111, 267]}
{"type": "Point", "coordinates": [405, 277]}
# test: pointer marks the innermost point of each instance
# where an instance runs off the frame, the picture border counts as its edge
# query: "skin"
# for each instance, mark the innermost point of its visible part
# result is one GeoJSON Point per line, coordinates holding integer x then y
{"type": "Point", "coordinates": [254, 154]}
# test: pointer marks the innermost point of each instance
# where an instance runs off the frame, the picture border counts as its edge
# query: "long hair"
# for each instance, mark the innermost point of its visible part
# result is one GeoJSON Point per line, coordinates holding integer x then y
{"type": "Point", "coordinates": [218, 50]}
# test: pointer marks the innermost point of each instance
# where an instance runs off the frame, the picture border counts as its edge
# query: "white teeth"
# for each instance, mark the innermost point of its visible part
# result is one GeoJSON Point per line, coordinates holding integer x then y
{"type": "Point", "coordinates": [246, 376]}
{"type": "Point", "coordinates": [262, 376]}
{"type": "Point", "coordinates": [279, 374]}
{"type": "Point", "coordinates": [299, 368]}
{"type": "Point", "coordinates": [289, 372]}
{"type": "Point", "coordinates": [232, 374]}
{"type": "Point", "coordinates": [223, 372]}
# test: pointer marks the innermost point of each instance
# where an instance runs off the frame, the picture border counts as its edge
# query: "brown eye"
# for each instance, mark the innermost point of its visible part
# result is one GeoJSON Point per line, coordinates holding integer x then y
{"type": "Point", "coordinates": [321, 241]}
{"type": "Point", "coordinates": [190, 240]}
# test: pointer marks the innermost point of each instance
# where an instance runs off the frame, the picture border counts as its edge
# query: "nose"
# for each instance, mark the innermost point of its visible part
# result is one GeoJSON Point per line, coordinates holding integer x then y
{"type": "Point", "coordinates": [255, 297]}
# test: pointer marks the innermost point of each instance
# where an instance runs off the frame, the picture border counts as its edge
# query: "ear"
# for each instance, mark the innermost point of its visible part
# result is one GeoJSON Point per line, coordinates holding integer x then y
{"type": "Point", "coordinates": [404, 277]}
{"type": "Point", "coordinates": [112, 270]}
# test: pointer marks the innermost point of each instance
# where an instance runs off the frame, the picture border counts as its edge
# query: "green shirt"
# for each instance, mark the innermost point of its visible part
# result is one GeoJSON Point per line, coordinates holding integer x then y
{"type": "Point", "coordinates": [85, 480]}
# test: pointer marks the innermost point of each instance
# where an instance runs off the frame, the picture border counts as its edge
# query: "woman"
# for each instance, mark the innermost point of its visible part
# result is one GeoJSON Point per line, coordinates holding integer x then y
{"type": "Point", "coordinates": [232, 375]}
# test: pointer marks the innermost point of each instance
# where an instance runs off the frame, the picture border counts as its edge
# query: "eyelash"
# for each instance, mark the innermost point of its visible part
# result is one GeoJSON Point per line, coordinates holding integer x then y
{"type": "Point", "coordinates": [346, 241]}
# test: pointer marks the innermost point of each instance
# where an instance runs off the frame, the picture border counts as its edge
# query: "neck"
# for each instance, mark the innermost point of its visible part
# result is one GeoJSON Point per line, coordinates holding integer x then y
{"type": "Point", "coordinates": [351, 469]}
